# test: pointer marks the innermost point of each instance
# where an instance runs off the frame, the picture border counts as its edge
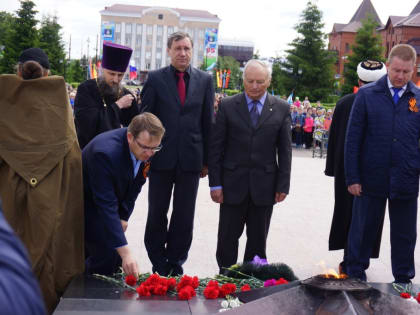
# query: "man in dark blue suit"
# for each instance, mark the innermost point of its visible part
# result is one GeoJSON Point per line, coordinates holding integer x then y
{"type": "Point", "coordinates": [19, 290]}
{"type": "Point", "coordinates": [182, 97]}
{"type": "Point", "coordinates": [382, 163]}
{"type": "Point", "coordinates": [115, 166]}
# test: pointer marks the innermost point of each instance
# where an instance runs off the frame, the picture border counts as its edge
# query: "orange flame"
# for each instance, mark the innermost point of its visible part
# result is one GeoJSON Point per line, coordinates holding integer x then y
{"type": "Point", "coordinates": [331, 273]}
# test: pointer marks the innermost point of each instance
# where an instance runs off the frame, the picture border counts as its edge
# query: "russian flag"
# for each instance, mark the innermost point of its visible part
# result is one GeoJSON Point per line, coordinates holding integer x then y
{"type": "Point", "coordinates": [133, 73]}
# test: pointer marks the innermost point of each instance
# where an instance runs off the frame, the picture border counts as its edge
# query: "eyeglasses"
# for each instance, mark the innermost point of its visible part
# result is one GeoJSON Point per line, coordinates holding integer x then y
{"type": "Point", "coordinates": [154, 149]}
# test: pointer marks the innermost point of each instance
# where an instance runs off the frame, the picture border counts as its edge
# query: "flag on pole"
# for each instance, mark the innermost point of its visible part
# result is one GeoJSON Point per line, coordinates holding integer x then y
{"type": "Point", "coordinates": [90, 69]}
{"type": "Point", "coordinates": [227, 79]}
{"type": "Point", "coordinates": [217, 79]}
{"type": "Point", "coordinates": [290, 98]}
{"type": "Point", "coordinates": [133, 72]}
{"type": "Point", "coordinates": [224, 78]}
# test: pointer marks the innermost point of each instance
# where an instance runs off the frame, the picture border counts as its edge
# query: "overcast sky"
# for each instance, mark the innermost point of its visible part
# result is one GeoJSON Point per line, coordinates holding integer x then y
{"type": "Point", "coordinates": [269, 24]}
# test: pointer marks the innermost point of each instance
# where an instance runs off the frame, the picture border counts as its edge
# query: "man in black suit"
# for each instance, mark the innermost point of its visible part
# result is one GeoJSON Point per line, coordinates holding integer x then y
{"type": "Point", "coordinates": [249, 164]}
{"type": "Point", "coordinates": [115, 165]}
{"type": "Point", "coordinates": [367, 71]}
{"type": "Point", "coordinates": [182, 97]}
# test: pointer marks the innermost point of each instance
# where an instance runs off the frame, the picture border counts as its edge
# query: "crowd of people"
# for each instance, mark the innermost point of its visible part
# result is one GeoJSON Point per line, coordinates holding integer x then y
{"type": "Point", "coordinates": [310, 125]}
{"type": "Point", "coordinates": [69, 180]}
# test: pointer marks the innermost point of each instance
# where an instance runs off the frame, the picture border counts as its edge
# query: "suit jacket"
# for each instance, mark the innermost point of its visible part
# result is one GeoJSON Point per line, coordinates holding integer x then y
{"type": "Point", "coordinates": [187, 126]}
{"type": "Point", "coordinates": [110, 187]}
{"type": "Point", "coordinates": [251, 159]}
{"type": "Point", "coordinates": [19, 290]}
{"type": "Point", "coordinates": [382, 142]}
{"type": "Point", "coordinates": [93, 117]}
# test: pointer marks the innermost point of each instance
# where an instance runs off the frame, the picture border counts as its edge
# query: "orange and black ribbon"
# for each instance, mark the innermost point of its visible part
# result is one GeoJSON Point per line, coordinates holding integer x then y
{"type": "Point", "coordinates": [146, 169]}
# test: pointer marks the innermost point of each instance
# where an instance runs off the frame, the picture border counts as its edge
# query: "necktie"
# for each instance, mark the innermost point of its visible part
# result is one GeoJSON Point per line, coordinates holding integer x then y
{"type": "Point", "coordinates": [255, 115]}
{"type": "Point", "coordinates": [136, 167]}
{"type": "Point", "coordinates": [181, 87]}
{"type": "Point", "coordinates": [396, 96]}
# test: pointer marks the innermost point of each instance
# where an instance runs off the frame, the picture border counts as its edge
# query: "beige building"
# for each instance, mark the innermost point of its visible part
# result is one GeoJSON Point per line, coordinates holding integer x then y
{"type": "Point", "coordinates": [146, 30]}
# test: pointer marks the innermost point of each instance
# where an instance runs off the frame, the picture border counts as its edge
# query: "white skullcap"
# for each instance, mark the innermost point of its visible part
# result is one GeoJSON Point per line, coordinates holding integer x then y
{"type": "Point", "coordinates": [371, 70]}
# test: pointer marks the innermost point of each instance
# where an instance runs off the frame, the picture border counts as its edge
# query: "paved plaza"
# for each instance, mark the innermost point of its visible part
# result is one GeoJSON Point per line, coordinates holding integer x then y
{"type": "Point", "coordinates": [298, 234]}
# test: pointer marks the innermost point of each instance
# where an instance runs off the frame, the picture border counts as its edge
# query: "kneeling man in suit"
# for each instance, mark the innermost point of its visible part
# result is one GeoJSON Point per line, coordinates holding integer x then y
{"type": "Point", "coordinates": [249, 164]}
{"type": "Point", "coordinates": [115, 165]}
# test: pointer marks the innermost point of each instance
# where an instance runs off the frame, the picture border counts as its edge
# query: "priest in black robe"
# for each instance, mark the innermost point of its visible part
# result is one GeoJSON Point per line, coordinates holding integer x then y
{"type": "Point", "coordinates": [367, 71]}
{"type": "Point", "coordinates": [102, 104]}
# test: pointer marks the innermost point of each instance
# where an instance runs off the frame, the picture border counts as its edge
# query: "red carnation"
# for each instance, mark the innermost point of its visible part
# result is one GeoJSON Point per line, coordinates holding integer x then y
{"type": "Point", "coordinates": [171, 283]}
{"type": "Point", "coordinates": [281, 281]}
{"type": "Point", "coordinates": [246, 287]}
{"type": "Point", "coordinates": [213, 283]}
{"type": "Point", "coordinates": [130, 280]}
{"type": "Point", "coordinates": [186, 293]}
{"type": "Point", "coordinates": [160, 290]}
{"type": "Point", "coordinates": [418, 297]}
{"type": "Point", "coordinates": [195, 282]}
{"type": "Point", "coordinates": [229, 287]}
{"type": "Point", "coordinates": [163, 282]}
{"type": "Point", "coordinates": [211, 292]}
{"type": "Point", "coordinates": [226, 289]}
{"type": "Point", "coordinates": [143, 290]}
{"type": "Point", "coordinates": [405, 295]}
{"type": "Point", "coordinates": [152, 280]}
{"type": "Point", "coordinates": [185, 281]}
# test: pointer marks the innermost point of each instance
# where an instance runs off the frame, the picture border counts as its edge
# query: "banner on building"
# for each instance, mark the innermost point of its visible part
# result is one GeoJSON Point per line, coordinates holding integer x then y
{"type": "Point", "coordinates": [108, 31]}
{"type": "Point", "coordinates": [210, 43]}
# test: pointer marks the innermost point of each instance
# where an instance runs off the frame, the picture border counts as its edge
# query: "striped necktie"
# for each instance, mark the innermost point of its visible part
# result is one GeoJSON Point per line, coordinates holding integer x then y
{"type": "Point", "coordinates": [396, 96]}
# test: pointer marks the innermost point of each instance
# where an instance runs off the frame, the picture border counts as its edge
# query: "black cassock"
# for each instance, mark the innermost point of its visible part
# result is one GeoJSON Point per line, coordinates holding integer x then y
{"type": "Point", "coordinates": [93, 114]}
{"type": "Point", "coordinates": [335, 167]}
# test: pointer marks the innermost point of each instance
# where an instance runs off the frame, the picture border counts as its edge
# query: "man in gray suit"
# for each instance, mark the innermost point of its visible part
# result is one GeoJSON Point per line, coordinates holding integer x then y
{"type": "Point", "coordinates": [249, 164]}
{"type": "Point", "coordinates": [182, 98]}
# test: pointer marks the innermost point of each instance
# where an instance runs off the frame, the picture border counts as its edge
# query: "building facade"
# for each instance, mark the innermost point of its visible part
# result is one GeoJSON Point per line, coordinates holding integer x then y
{"type": "Point", "coordinates": [146, 30]}
{"type": "Point", "coordinates": [403, 30]}
{"type": "Point", "coordinates": [343, 36]}
{"type": "Point", "coordinates": [397, 30]}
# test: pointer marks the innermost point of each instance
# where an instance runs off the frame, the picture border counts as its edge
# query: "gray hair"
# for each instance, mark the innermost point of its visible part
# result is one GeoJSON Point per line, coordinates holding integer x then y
{"type": "Point", "coordinates": [178, 36]}
{"type": "Point", "coordinates": [254, 62]}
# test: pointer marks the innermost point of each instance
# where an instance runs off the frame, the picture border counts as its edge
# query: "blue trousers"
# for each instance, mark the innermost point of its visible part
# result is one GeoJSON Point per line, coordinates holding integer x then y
{"type": "Point", "coordinates": [368, 212]}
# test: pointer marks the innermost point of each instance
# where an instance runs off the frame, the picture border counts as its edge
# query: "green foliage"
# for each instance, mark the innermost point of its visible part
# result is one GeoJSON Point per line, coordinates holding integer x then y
{"type": "Point", "coordinates": [76, 70]}
{"type": "Point", "coordinates": [21, 36]}
{"type": "Point", "coordinates": [6, 25]}
{"type": "Point", "coordinates": [232, 92]}
{"type": "Point", "coordinates": [277, 79]}
{"type": "Point", "coordinates": [368, 45]}
{"type": "Point", "coordinates": [308, 67]}
{"type": "Point", "coordinates": [235, 72]}
{"type": "Point", "coordinates": [51, 42]}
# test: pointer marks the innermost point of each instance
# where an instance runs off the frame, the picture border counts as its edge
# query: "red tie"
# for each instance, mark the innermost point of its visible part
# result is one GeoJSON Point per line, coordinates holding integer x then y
{"type": "Point", "coordinates": [181, 87]}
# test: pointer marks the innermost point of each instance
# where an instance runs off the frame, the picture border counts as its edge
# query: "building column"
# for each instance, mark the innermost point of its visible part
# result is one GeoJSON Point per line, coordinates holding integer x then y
{"type": "Point", "coordinates": [164, 41]}
{"type": "Point", "coordinates": [194, 36]}
{"type": "Point", "coordinates": [153, 61]}
{"type": "Point", "coordinates": [123, 33]}
{"type": "Point", "coordinates": [143, 48]}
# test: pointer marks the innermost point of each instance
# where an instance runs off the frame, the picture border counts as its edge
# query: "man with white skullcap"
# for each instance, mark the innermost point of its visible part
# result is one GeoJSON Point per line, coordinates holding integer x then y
{"type": "Point", "coordinates": [367, 71]}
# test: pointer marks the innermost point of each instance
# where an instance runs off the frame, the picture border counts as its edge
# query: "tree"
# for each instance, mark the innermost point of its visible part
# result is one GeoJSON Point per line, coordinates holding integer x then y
{"type": "Point", "coordinates": [229, 63]}
{"type": "Point", "coordinates": [23, 35]}
{"type": "Point", "coordinates": [368, 45]}
{"type": "Point", "coordinates": [75, 72]}
{"type": "Point", "coordinates": [308, 68]}
{"type": "Point", "coordinates": [6, 25]}
{"type": "Point", "coordinates": [51, 42]}
{"type": "Point", "coordinates": [278, 78]}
